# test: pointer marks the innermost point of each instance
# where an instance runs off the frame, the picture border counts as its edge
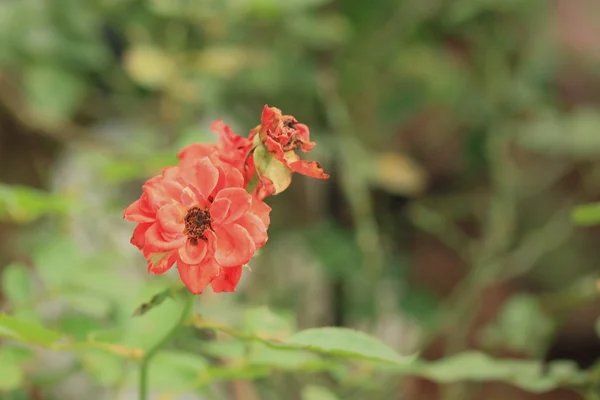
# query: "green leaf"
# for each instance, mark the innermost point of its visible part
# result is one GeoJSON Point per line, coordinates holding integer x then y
{"type": "Point", "coordinates": [478, 367]}
{"type": "Point", "coordinates": [260, 354]}
{"type": "Point", "coordinates": [574, 135]}
{"type": "Point", "coordinates": [346, 342]}
{"type": "Point", "coordinates": [16, 283]}
{"type": "Point", "coordinates": [106, 368]}
{"type": "Point", "coordinates": [79, 326]}
{"type": "Point", "coordinates": [157, 300]}
{"type": "Point", "coordinates": [58, 262]}
{"type": "Point", "coordinates": [25, 332]}
{"type": "Point", "coordinates": [312, 392]}
{"type": "Point", "coordinates": [274, 8]}
{"type": "Point", "coordinates": [229, 349]}
{"type": "Point", "coordinates": [52, 92]}
{"type": "Point", "coordinates": [25, 204]}
{"type": "Point", "coordinates": [88, 303]}
{"type": "Point", "coordinates": [267, 166]}
{"type": "Point", "coordinates": [98, 279]}
{"type": "Point", "coordinates": [598, 327]}
{"type": "Point", "coordinates": [263, 322]}
{"type": "Point", "coordinates": [588, 214]}
{"type": "Point", "coordinates": [328, 341]}
{"type": "Point", "coordinates": [146, 330]}
{"type": "Point", "coordinates": [172, 370]}
{"type": "Point", "coordinates": [11, 370]}
{"type": "Point", "coordinates": [521, 325]}
{"type": "Point", "coordinates": [231, 372]}
{"type": "Point", "coordinates": [11, 374]}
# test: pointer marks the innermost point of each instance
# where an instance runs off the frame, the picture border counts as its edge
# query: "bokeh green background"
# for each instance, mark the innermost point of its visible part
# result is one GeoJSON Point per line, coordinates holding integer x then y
{"type": "Point", "coordinates": [460, 135]}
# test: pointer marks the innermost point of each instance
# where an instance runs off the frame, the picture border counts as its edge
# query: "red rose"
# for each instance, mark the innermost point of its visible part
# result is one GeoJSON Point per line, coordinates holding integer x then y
{"type": "Point", "coordinates": [199, 215]}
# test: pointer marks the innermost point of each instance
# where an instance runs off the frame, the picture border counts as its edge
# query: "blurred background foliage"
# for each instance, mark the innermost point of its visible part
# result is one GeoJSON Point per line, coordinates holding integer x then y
{"type": "Point", "coordinates": [459, 134]}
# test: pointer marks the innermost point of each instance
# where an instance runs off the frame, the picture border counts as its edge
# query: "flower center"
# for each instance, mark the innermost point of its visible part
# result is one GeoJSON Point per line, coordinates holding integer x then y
{"type": "Point", "coordinates": [289, 132]}
{"type": "Point", "coordinates": [197, 220]}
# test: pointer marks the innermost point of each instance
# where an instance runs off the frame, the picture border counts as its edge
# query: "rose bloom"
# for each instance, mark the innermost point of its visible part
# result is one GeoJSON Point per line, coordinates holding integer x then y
{"type": "Point", "coordinates": [282, 135]}
{"type": "Point", "coordinates": [230, 149]}
{"type": "Point", "coordinates": [199, 215]}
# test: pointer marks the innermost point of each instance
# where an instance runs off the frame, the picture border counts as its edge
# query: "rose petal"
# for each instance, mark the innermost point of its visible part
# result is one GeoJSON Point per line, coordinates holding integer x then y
{"type": "Point", "coordinates": [191, 197]}
{"type": "Point", "coordinates": [255, 227]}
{"type": "Point", "coordinates": [171, 218]}
{"type": "Point", "coordinates": [170, 173]}
{"type": "Point", "coordinates": [262, 211]}
{"type": "Point", "coordinates": [240, 203]}
{"type": "Point", "coordinates": [227, 279]}
{"type": "Point", "coordinates": [197, 150]}
{"type": "Point", "coordinates": [193, 253]}
{"type": "Point", "coordinates": [159, 263]}
{"type": "Point", "coordinates": [264, 188]}
{"type": "Point", "coordinates": [229, 177]}
{"type": "Point", "coordinates": [197, 277]}
{"type": "Point", "coordinates": [156, 241]}
{"type": "Point", "coordinates": [301, 130]}
{"type": "Point", "coordinates": [224, 132]}
{"type": "Point", "coordinates": [162, 191]}
{"type": "Point", "coordinates": [137, 212]}
{"type": "Point", "coordinates": [138, 239]}
{"type": "Point", "coordinates": [309, 168]}
{"type": "Point", "coordinates": [219, 209]}
{"type": "Point", "coordinates": [275, 149]}
{"type": "Point", "coordinates": [203, 175]}
{"type": "Point", "coordinates": [270, 118]}
{"type": "Point", "coordinates": [249, 169]}
{"type": "Point", "coordinates": [234, 246]}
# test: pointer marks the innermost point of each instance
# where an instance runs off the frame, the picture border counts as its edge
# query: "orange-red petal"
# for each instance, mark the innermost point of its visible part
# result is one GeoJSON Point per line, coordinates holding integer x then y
{"type": "Point", "coordinates": [155, 240]}
{"type": "Point", "coordinates": [264, 188]}
{"type": "Point", "coordinates": [309, 168]}
{"type": "Point", "coordinates": [234, 246]}
{"type": "Point", "coordinates": [219, 209]}
{"type": "Point", "coordinates": [159, 263]}
{"type": "Point", "coordinates": [255, 227]}
{"type": "Point", "coordinates": [229, 177]}
{"type": "Point", "coordinates": [203, 175]}
{"type": "Point", "coordinates": [275, 149]}
{"type": "Point", "coordinates": [192, 253]}
{"type": "Point", "coordinates": [138, 239]}
{"type": "Point", "coordinates": [136, 212]}
{"type": "Point", "coordinates": [170, 217]}
{"type": "Point", "coordinates": [262, 210]}
{"type": "Point", "coordinates": [240, 203]}
{"type": "Point", "coordinates": [161, 191]}
{"type": "Point", "coordinates": [197, 277]}
{"type": "Point", "coordinates": [197, 150]}
{"type": "Point", "coordinates": [227, 279]}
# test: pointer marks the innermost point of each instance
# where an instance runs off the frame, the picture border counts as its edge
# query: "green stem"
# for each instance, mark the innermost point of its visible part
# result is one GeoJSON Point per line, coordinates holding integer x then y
{"type": "Point", "coordinates": [151, 352]}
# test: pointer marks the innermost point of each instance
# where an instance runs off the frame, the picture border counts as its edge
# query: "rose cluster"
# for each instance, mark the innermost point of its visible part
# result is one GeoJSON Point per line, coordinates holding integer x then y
{"type": "Point", "coordinates": [207, 214]}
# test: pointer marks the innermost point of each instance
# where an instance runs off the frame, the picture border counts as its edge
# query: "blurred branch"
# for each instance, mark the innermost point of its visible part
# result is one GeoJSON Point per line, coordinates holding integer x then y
{"type": "Point", "coordinates": [582, 291]}
{"type": "Point", "coordinates": [151, 352]}
{"type": "Point", "coordinates": [537, 244]}
{"type": "Point", "coordinates": [495, 263]}
{"type": "Point", "coordinates": [498, 231]}
{"type": "Point", "coordinates": [439, 226]}
{"type": "Point", "coordinates": [497, 235]}
{"type": "Point", "coordinates": [355, 187]}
